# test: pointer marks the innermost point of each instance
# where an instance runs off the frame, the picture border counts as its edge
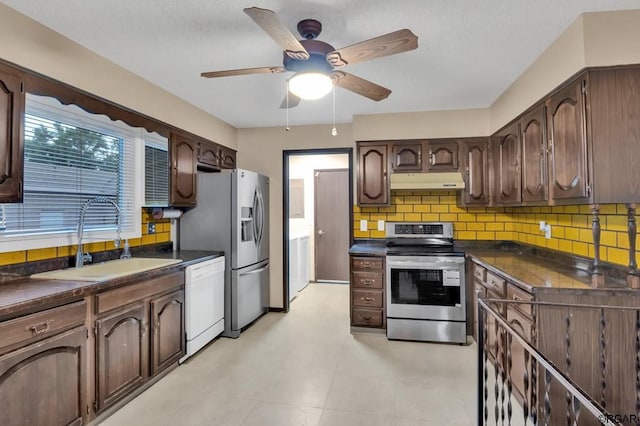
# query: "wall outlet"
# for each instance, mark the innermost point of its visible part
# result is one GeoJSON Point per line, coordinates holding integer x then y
{"type": "Point", "coordinates": [381, 225]}
{"type": "Point", "coordinates": [151, 228]}
{"type": "Point", "coordinates": [547, 231]}
{"type": "Point", "coordinates": [363, 225]}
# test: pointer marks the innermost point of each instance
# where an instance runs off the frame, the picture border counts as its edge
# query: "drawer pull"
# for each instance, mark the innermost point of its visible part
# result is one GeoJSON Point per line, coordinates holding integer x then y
{"type": "Point", "coordinates": [40, 328]}
{"type": "Point", "coordinates": [367, 299]}
{"type": "Point", "coordinates": [367, 265]}
{"type": "Point", "coordinates": [367, 317]}
{"type": "Point", "coordinates": [367, 281]}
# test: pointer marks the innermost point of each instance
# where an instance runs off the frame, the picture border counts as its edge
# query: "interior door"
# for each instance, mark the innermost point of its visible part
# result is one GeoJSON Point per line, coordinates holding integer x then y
{"type": "Point", "coordinates": [331, 225]}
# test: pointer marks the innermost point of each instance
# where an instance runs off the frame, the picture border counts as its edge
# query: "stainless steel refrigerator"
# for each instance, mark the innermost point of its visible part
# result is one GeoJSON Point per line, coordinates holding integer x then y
{"type": "Point", "coordinates": [232, 214]}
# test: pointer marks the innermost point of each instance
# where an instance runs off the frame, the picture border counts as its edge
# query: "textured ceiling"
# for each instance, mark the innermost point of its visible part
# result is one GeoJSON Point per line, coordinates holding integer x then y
{"type": "Point", "coordinates": [469, 51]}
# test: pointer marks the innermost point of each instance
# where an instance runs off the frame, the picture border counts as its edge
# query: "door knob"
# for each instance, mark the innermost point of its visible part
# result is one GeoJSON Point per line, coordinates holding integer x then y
{"type": "Point", "coordinates": [321, 232]}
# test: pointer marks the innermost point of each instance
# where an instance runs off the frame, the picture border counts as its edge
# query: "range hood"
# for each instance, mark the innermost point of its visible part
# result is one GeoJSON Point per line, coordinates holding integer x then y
{"type": "Point", "coordinates": [433, 180]}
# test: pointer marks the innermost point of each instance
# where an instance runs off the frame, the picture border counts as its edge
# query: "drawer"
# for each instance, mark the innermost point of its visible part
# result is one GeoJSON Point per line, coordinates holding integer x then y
{"type": "Point", "coordinates": [366, 317]}
{"type": "Point", "coordinates": [368, 298]}
{"type": "Point", "coordinates": [520, 323]}
{"type": "Point", "coordinates": [365, 263]}
{"type": "Point", "coordinates": [367, 279]}
{"type": "Point", "coordinates": [42, 324]}
{"type": "Point", "coordinates": [495, 284]}
{"type": "Point", "coordinates": [479, 273]}
{"type": "Point", "coordinates": [131, 293]}
{"type": "Point", "coordinates": [515, 293]}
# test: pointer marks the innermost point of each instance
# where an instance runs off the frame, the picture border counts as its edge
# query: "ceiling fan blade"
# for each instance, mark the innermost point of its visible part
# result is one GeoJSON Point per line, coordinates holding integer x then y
{"type": "Point", "coordinates": [269, 22]}
{"type": "Point", "coordinates": [360, 86]}
{"type": "Point", "coordinates": [293, 101]}
{"type": "Point", "coordinates": [384, 45]}
{"type": "Point", "coordinates": [244, 71]}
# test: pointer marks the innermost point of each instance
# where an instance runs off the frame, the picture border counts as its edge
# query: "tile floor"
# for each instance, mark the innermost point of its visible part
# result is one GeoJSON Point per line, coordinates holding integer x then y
{"type": "Point", "coordinates": [306, 368]}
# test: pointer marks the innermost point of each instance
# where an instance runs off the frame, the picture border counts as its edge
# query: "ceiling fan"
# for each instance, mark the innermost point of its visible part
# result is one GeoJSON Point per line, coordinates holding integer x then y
{"type": "Point", "coordinates": [310, 58]}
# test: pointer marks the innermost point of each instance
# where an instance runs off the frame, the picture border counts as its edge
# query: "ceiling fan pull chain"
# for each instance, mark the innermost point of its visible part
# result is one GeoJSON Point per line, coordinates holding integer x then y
{"type": "Point", "coordinates": [334, 132]}
{"type": "Point", "coordinates": [287, 126]}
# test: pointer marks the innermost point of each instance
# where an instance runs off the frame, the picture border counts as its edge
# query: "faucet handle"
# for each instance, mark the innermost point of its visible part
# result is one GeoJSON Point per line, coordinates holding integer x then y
{"type": "Point", "coordinates": [117, 241]}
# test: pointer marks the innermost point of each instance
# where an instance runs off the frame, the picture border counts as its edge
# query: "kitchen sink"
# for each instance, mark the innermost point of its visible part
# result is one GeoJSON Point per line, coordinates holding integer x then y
{"type": "Point", "coordinates": [107, 270]}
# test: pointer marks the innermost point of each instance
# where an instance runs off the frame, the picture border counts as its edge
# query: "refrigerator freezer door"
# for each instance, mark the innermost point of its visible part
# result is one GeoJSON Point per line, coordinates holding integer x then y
{"type": "Point", "coordinates": [251, 199]}
{"type": "Point", "coordinates": [251, 288]}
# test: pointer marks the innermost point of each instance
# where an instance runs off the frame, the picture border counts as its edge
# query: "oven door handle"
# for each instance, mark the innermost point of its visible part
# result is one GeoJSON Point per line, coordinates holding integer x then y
{"type": "Point", "coordinates": [420, 265]}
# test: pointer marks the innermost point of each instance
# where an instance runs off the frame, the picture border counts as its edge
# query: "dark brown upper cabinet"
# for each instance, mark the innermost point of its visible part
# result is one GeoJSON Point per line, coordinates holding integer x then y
{"type": "Point", "coordinates": [566, 120]}
{"type": "Point", "coordinates": [406, 157]}
{"type": "Point", "coordinates": [183, 154]}
{"type": "Point", "coordinates": [208, 155]}
{"type": "Point", "coordinates": [373, 180]}
{"type": "Point", "coordinates": [11, 136]}
{"type": "Point", "coordinates": [506, 163]}
{"type": "Point", "coordinates": [534, 158]}
{"type": "Point", "coordinates": [475, 157]}
{"type": "Point", "coordinates": [227, 158]}
{"type": "Point", "coordinates": [442, 155]}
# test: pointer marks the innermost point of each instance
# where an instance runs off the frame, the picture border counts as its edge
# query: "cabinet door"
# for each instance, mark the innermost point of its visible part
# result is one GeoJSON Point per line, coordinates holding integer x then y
{"type": "Point", "coordinates": [227, 158]}
{"type": "Point", "coordinates": [476, 155]}
{"type": "Point", "coordinates": [534, 159]}
{"type": "Point", "coordinates": [566, 120]}
{"type": "Point", "coordinates": [406, 157]}
{"type": "Point", "coordinates": [122, 354]}
{"type": "Point", "coordinates": [11, 138]}
{"type": "Point", "coordinates": [183, 171]}
{"type": "Point", "coordinates": [209, 155]}
{"type": "Point", "coordinates": [519, 368]}
{"type": "Point", "coordinates": [442, 156]}
{"type": "Point", "coordinates": [167, 325]}
{"type": "Point", "coordinates": [373, 183]}
{"type": "Point", "coordinates": [45, 383]}
{"type": "Point", "coordinates": [507, 165]}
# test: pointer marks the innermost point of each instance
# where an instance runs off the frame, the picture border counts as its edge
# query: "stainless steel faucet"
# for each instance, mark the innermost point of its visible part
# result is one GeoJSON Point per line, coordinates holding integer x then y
{"type": "Point", "coordinates": [82, 257]}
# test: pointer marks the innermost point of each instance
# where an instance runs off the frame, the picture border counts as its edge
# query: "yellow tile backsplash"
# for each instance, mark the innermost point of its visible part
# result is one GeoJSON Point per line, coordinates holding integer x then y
{"type": "Point", "coordinates": [570, 225]}
{"type": "Point", "coordinates": [163, 234]}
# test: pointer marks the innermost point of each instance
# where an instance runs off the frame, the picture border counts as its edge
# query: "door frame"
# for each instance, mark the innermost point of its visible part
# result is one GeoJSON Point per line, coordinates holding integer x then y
{"type": "Point", "coordinates": [315, 215]}
{"type": "Point", "coordinates": [285, 207]}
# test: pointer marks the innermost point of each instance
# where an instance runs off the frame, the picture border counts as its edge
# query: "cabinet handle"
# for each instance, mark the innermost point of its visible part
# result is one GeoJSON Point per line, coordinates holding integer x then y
{"type": "Point", "coordinates": [39, 328]}
{"type": "Point", "coordinates": [367, 281]}
{"type": "Point", "coordinates": [367, 318]}
{"type": "Point", "coordinates": [367, 299]}
{"type": "Point", "coordinates": [431, 157]}
{"type": "Point", "coordinates": [367, 265]}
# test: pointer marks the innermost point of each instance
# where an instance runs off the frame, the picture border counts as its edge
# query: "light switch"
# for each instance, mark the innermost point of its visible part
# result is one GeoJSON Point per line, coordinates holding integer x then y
{"type": "Point", "coordinates": [363, 224]}
{"type": "Point", "coordinates": [381, 225]}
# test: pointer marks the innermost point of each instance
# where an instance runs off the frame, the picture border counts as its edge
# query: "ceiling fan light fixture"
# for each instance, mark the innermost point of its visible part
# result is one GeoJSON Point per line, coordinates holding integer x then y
{"type": "Point", "coordinates": [310, 85]}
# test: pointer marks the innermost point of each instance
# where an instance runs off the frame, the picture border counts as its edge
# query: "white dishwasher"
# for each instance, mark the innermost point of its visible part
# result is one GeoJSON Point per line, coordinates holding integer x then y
{"type": "Point", "coordinates": [204, 303]}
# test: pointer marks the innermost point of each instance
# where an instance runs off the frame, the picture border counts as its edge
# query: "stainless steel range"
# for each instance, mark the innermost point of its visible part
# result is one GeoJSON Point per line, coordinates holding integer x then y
{"type": "Point", "coordinates": [425, 283]}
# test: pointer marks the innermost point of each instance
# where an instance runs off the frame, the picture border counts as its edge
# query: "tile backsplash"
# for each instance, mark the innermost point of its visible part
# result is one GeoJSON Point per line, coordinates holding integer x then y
{"type": "Point", "coordinates": [570, 225]}
{"type": "Point", "coordinates": [162, 234]}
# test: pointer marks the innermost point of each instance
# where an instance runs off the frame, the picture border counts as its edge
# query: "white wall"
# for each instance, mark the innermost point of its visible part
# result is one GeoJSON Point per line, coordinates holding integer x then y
{"type": "Point", "coordinates": [303, 167]}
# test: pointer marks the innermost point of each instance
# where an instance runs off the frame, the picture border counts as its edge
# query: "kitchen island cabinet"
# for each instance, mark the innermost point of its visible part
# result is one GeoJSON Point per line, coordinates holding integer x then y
{"type": "Point", "coordinates": [576, 339]}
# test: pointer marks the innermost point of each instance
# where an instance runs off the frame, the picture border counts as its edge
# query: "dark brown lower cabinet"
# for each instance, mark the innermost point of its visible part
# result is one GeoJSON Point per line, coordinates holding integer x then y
{"type": "Point", "coordinates": [44, 383]}
{"type": "Point", "coordinates": [167, 338]}
{"type": "Point", "coordinates": [122, 356]}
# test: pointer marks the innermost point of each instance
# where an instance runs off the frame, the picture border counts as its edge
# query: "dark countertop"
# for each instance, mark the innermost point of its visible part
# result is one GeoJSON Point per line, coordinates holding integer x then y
{"type": "Point", "coordinates": [533, 272]}
{"type": "Point", "coordinates": [27, 294]}
{"type": "Point", "coordinates": [371, 247]}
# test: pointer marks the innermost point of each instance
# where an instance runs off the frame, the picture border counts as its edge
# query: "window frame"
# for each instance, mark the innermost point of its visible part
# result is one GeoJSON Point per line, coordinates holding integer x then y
{"type": "Point", "coordinates": [51, 108]}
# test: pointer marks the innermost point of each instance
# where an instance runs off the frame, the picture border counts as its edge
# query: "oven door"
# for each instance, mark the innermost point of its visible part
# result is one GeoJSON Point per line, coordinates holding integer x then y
{"type": "Point", "coordinates": [425, 287]}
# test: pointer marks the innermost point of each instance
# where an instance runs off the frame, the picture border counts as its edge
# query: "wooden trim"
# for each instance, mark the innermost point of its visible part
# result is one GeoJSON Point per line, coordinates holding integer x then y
{"type": "Point", "coordinates": [285, 208]}
{"type": "Point", "coordinates": [39, 84]}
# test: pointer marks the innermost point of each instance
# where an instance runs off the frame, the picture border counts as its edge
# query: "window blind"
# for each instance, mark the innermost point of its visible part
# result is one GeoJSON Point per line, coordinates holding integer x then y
{"type": "Point", "coordinates": [156, 172]}
{"type": "Point", "coordinates": [71, 156]}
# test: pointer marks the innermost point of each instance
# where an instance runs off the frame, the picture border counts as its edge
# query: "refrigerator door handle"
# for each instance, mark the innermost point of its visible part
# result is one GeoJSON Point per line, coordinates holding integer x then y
{"type": "Point", "coordinates": [256, 207]}
{"type": "Point", "coordinates": [261, 202]}
{"type": "Point", "coordinates": [255, 271]}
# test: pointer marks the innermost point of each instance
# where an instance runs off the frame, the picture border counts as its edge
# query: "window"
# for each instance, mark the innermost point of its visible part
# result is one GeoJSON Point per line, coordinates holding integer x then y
{"type": "Point", "coordinates": [70, 157]}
